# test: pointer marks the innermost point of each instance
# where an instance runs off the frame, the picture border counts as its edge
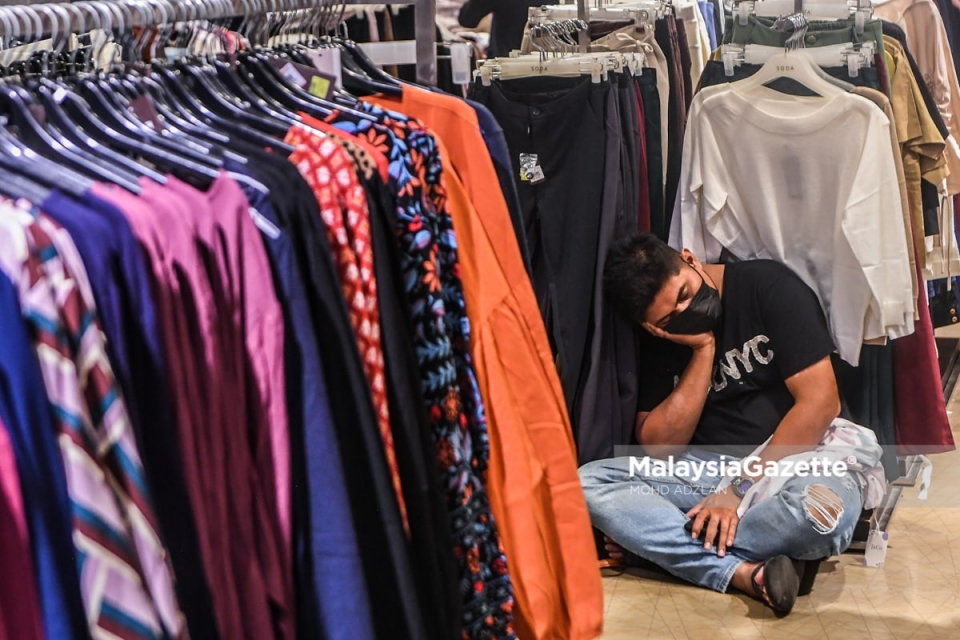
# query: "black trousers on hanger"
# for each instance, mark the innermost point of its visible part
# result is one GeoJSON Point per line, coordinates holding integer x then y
{"type": "Point", "coordinates": [606, 404]}
{"type": "Point", "coordinates": [655, 151]}
{"type": "Point", "coordinates": [562, 122]}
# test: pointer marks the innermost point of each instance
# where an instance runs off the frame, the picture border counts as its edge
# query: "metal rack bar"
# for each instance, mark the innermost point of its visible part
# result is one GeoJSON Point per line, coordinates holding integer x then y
{"type": "Point", "coordinates": [583, 13]}
{"type": "Point", "coordinates": [425, 30]}
{"type": "Point", "coordinates": [147, 13]}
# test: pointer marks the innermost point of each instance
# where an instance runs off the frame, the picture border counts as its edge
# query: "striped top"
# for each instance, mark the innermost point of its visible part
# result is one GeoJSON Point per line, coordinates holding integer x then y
{"type": "Point", "coordinates": [125, 575]}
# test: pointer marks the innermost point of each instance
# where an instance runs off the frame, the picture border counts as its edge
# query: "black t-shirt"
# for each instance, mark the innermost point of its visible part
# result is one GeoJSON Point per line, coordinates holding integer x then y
{"type": "Point", "coordinates": [772, 328]}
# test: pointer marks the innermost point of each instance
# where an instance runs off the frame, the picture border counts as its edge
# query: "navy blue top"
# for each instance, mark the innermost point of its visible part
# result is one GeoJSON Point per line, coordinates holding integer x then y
{"type": "Point", "coordinates": [26, 413]}
{"type": "Point", "coordinates": [121, 287]}
{"type": "Point", "coordinates": [500, 154]}
{"type": "Point", "coordinates": [325, 543]}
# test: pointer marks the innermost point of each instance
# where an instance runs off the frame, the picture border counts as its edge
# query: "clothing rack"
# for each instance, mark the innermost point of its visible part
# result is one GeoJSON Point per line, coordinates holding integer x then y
{"type": "Point", "coordinates": [425, 28]}
{"type": "Point", "coordinates": [43, 20]}
{"type": "Point", "coordinates": [583, 13]}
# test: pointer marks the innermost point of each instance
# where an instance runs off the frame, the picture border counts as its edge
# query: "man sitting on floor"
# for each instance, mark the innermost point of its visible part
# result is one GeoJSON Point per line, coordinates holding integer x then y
{"type": "Point", "coordinates": [741, 355]}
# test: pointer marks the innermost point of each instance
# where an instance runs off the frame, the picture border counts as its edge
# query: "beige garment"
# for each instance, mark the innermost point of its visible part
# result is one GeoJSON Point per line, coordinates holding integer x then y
{"type": "Point", "coordinates": [927, 41]}
{"type": "Point", "coordinates": [640, 39]}
{"type": "Point", "coordinates": [705, 48]}
{"type": "Point", "coordinates": [921, 145]}
{"type": "Point", "coordinates": [908, 222]}
{"type": "Point", "coordinates": [698, 43]}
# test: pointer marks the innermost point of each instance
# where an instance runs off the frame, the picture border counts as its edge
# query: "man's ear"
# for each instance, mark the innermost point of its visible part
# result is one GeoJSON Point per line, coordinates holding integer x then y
{"type": "Point", "coordinates": [687, 256]}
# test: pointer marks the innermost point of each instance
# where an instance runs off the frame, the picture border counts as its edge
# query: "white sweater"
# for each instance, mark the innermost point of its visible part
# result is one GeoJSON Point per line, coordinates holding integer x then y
{"type": "Point", "coordinates": [809, 182]}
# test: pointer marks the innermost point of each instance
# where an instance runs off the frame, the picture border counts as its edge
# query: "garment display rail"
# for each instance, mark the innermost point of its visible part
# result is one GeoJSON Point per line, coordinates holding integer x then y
{"type": "Point", "coordinates": [41, 21]}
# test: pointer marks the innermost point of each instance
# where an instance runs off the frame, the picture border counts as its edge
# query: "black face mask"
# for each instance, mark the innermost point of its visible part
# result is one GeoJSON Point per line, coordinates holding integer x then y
{"type": "Point", "coordinates": [701, 315]}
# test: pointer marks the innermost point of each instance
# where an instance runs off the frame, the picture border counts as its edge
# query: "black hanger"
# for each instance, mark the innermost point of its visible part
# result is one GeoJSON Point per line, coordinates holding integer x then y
{"type": "Point", "coordinates": [223, 103]}
{"type": "Point", "coordinates": [355, 54]}
{"type": "Point", "coordinates": [262, 75]}
{"type": "Point", "coordinates": [266, 104]}
{"type": "Point", "coordinates": [55, 147]}
{"type": "Point", "coordinates": [169, 81]}
{"type": "Point", "coordinates": [357, 81]}
{"type": "Point", "coordinates": [18, 186]}
{"type": "Point", "coordinates": [133, 136]}
{"type": "Point", "coordinates": [191, 149]}
{"type": "Point", "coordinates": [176, 122]}
{"type": "Point", "coordinates": [85, 136]}
{"type": "Point", "coordinates": [16, 157]}
{"type": "Point", "coordinates": [177, 131]}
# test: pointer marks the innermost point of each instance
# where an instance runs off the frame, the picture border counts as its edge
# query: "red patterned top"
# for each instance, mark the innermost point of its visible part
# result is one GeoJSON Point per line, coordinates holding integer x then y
{"type": "Point", "coordinates": [329, 171]}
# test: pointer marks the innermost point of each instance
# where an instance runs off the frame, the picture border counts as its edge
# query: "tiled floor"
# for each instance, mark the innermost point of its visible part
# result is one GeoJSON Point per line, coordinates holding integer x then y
{"type": "Point", "coordinates": [915, 596]}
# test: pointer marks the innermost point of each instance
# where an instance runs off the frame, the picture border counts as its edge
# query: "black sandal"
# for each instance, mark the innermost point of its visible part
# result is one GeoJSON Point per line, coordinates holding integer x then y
{"type": "Point", "coordinates": [807, 570]}
{"type": "Point", "coordinates": [781, 581]}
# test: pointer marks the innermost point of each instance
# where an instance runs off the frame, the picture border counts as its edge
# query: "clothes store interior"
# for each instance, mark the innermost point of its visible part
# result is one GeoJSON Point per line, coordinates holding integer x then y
{"type": "Point", "coordinates": [607, 319]}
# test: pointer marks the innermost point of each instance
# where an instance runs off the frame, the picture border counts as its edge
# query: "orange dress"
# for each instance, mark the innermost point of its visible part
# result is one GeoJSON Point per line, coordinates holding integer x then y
{"type": "Point", "coordinates": [534, 489]}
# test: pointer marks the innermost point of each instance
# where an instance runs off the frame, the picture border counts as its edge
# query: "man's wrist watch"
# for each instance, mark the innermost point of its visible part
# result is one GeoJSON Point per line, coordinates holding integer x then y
{"type": "Point", "coordinates": [740, 485]}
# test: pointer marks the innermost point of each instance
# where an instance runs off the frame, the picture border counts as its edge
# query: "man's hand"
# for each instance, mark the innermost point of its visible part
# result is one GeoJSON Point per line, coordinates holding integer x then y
{"type": "Point", "coordinates": [718, 512]}
{"type": "Point", "coordinates": [696, 342]}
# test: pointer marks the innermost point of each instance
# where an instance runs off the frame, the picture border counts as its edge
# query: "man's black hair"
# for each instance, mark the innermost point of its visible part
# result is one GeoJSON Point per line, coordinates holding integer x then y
{"type": "Point", "coordinates": [637, 268]}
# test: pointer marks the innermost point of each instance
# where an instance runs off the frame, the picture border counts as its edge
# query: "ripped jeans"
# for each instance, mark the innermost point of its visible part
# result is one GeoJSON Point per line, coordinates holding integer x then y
{"type": "Point", "coordinates": [810, 518]}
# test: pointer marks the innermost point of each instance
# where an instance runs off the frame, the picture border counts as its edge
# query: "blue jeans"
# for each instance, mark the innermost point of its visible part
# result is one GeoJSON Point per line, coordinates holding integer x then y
{"type": "Point", "coordinates": [645, 515]}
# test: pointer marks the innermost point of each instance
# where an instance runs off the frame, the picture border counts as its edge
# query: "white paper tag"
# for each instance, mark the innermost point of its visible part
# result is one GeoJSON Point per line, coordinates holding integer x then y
{"type": "Point", "coordinates": [926, 475]}
{"type": "Point", "coordinates": [327, 61]}
{"type": "Point", "coordinates": [460, 62]}
{"type": "Point", "coordinates": [876, 552]}
{"type": "Point", "coordinates": [290, 72]}
{"type": "Point", "coordinates": [174, 53]}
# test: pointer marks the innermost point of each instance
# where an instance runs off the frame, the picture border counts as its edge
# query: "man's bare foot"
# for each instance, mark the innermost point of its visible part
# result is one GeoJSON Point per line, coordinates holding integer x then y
{"type": "Point", "coordinates": [775, 582]}
{"type": "Point", "coordinates": [616, 551]}
{"type": "Point", "coordinates": [743, 581]}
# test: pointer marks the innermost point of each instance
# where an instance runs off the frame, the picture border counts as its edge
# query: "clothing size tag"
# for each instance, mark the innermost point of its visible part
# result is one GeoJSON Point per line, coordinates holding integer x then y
{"type": "Point", "coordinates": [320, 87]}
{"type": "Point", "coordinates": [146, 112]}
{"type": "Point", "coordinates": [327, 61]}
{"type": "Point", "coordinates": [290, 72]}
{"type": "Point", "coordinates": [876, 549]}
{"type": "Point", "coordinates": [530, 170]}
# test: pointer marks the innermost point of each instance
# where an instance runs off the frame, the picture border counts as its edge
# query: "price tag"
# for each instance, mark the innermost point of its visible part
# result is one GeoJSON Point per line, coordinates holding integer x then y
{"type": "Point", "coordinates": [327, 61]}
{"type": "Point", "coordinates": [876, 552]}
{"type": "Point", "coordinates": [926, 475]}
{"type": "Point", "coordinates": [290, 72]}
{"type": "Point", "coordinates": [530, 170]}
{"type": "Point", "coordinates": [145, 110]}
{"type": "Point", "coordinates": [320, 87]}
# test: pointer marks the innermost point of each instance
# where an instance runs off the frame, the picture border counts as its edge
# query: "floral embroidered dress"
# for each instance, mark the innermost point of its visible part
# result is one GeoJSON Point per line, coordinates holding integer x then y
{"type": "Point", "coordinates": [432, 281]}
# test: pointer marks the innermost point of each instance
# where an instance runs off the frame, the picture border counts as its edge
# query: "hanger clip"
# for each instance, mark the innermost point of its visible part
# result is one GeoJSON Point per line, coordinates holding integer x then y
{"type": "Point", "coordinates": [853, 64]}
{"type": "Point", "coordinates": [860, 20]}
{"type": "Point", "coordinates": [744, 9]}
{"type": "Point", "coordinates": [731, 59]}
